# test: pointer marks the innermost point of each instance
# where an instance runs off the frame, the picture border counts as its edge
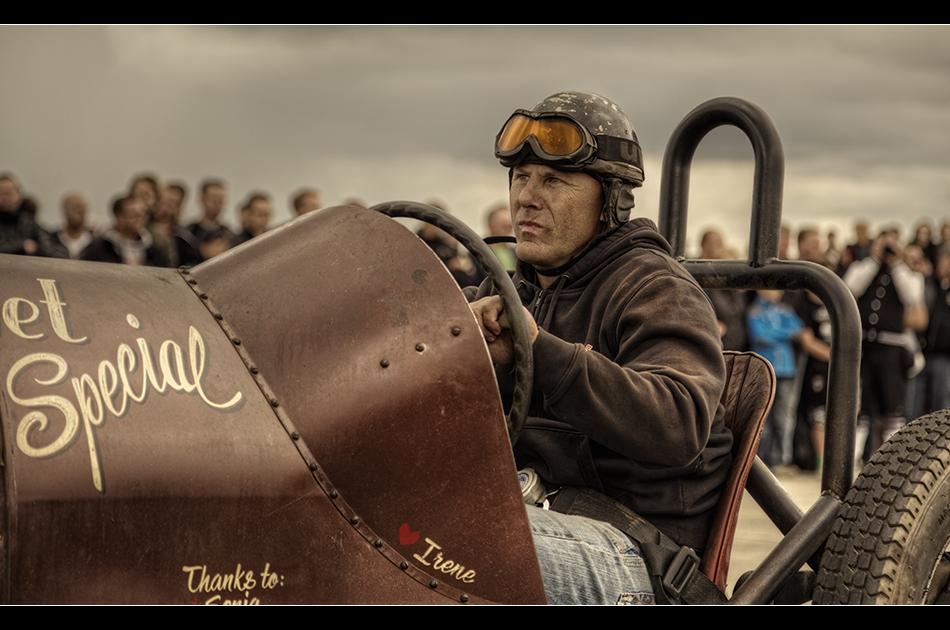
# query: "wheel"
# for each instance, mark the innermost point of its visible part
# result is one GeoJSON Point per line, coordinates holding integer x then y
{"type": "Point", "coordinates": [524, 357]}
{"type": "Point", "coordinates": [891, 539]}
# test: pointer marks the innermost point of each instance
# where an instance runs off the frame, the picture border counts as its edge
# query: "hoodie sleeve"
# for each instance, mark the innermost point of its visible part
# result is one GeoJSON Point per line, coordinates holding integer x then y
{"type": "Point", "coordinates": [651, 390]}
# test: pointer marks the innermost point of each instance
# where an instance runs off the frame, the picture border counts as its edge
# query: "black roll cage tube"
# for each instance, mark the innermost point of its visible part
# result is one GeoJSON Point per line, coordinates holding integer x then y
{"type": "Point", "coordinates": [805, 533]}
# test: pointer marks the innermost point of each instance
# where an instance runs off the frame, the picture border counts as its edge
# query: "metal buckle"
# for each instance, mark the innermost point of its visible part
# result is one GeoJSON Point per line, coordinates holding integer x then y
{"type": "Point", "coordinates": [681, 570]}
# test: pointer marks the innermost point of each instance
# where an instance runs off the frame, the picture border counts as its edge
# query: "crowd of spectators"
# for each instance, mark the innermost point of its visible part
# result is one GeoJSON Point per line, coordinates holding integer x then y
{"type": "Point", "coordinates": [902, 288]}
{"type": "Point", "coordinates": [146, 224]}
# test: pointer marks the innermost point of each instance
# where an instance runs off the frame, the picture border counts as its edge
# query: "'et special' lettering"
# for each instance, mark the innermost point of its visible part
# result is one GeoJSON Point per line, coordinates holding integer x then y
{"type": "Point", "coordinates": [11, 310]}
{"type": "Point", "coordinates": [110, 390]}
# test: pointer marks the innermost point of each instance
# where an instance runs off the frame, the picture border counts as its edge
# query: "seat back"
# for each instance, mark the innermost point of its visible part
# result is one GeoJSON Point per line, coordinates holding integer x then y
{"type": "Point", "coordinates": [747, 398]}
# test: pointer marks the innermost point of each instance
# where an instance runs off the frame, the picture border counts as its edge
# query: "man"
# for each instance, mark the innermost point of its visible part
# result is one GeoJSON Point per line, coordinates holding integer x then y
{"type": "Point", "coordinates": [127, 241]}
{"type": "Point", "coordinates": [499, 224]}
{"type": "Point", "coordinates": [146, 188]}
{"type": "Point", "coordinates": [809, 246]}
{"type": "Point", "coordinates": [890, 299]}
{"type": "Point", "coordinates": [797, 448]}
{"type": "Point", "coordinates": [306, 200]}
{"type": "Point", "coordinates": [730, 306]}
{"type": "Point", "coordinates": [165, 220]}
{"type": "Point", "coordinates": [784, 235]}
{"type": "Point", "coordinates": [932, 385]}
{"type": "Point", "coordinates": [628, 363]}
{"type": "Point", "coordinates": [709, 245]}
{"type": "Point", "coordinates": [255, 217]}
{"type": "Point", "coordinates": [213, 198]}
{"type": "Point", "coordinates": [860, 248]}
{"type": "Point", "coordinates": [75, 236]}
{"type": "Point", "coordinates": [19, 233]}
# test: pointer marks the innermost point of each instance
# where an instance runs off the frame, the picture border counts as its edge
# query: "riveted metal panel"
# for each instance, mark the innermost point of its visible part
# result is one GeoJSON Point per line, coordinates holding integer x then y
{"type": "Point", "coordinates": [158, 449]}
{"type": "Point", "coordinates": [373, 350]}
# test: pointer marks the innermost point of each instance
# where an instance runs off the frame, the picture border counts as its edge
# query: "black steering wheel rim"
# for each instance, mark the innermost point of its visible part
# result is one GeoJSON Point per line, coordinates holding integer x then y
{"type": "Point", "coordinates": [524, 357]}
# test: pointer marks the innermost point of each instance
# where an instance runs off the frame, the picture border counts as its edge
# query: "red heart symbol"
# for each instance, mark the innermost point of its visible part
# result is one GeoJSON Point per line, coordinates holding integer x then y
{"type": "Point", "coordinates": [407, 536]}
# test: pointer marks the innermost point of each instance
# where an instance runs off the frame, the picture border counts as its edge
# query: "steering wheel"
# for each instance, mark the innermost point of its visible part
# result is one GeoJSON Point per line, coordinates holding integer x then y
{"type": "Point", "coordinates": [524, 357]}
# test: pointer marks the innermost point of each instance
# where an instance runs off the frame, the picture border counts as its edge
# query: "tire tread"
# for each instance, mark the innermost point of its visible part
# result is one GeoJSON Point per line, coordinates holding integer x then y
{"type": "Point", "coordinates": [877, 520]}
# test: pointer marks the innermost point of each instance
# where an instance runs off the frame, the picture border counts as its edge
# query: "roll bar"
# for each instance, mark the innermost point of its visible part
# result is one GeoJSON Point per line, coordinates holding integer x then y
{"type": "Point", "coordinates": [804, 533]}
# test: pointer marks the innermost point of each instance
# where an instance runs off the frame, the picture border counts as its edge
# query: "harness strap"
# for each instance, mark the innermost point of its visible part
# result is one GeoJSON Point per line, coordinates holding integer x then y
{"type": "Point", "coordinates": [674, 569]}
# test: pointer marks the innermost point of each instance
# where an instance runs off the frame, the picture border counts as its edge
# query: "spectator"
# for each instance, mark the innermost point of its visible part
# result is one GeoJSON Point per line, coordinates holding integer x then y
{"type": "Point", "coordinates": [709, 244]}
{"type": "Point", "coordinates": [165, 220]}
{"type": "Point", "coordinates": [860, 248]}
{"type": "Point", "coordinates": [214, 196]}
{"type": "Point", "coordinates": [306, 200]}
{"type": "Point", "coordinates": [215, 243]}
{"type": "Point", "coordinates": [773, 328]}
{"type": "Point", "coordinates": [784, 236]}
{"type": "Point", "coordinates": [127, 241]}
{"type": "Point", "coordinates": [255, 217]}
{"type": "Point", "coordinates": [809, 246]}
{"type": "Point", "coordinates": [19, 233]}
{"type": "Point", "coordinates": [815, 342]}
{"type": "Point", "coordinates": [446, 248]}
{"type": "Point", "coordinates": [923, 239]}
{"type": "Point", "coordinates": [146, 188]}
{"type": "Point", "coordinates": [499, 224]}
{"type": "Point", "coordinates": [890, 299]}
{"type": "Point", "coordinates": [832, 255]}
{"type": "Point", "coordinates": [932, 384]}
{"type": "Point", "coordinates": [70, 241]}
{"type": "Point", "coordinates": [730, 305]}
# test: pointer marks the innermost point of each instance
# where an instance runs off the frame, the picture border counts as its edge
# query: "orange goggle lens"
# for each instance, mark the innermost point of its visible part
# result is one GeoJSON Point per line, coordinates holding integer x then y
{"type": "Point", "coordinates": [556, 136]}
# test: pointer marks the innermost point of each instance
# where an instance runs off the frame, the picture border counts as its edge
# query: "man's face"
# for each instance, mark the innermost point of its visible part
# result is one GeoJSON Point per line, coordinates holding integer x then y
{"type": "Point", "coordinates": [74, 210]}
{"type": "Point", "coordinates": [711, 245]}
{"type": "Point", "coordinates": [500, 223]}
{"type": "Point", "coordinates": [809, 247]}
{"type": "Point", "coordinates": [131, 220]}
{"type": "Point", "coordinates": [257, 216]}
{"type": "Point", "coordinates": [554, 213]}
{"type": "Point", "coordinates": [168, 207]}
{"type": "Point", "coordinates": [144, 191]}
{"type": "Point", "coordinates": [213, 201]}
{"type": "Point", "coordinates": [9, 196]}
{"type": "Point", "coordinates": [173, 196]}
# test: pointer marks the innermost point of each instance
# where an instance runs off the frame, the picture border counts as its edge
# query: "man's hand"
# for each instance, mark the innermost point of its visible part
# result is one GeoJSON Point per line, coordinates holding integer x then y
{"type": "Point", "coordinates": [491, 317]}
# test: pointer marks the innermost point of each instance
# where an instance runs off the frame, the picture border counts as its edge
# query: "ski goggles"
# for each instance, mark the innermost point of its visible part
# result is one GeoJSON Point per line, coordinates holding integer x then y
{"type": "Point", "coordinates": [554, 138]}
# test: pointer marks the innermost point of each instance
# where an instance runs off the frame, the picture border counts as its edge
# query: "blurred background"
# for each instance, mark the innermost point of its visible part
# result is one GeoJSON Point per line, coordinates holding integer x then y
{"type": "Point", "coordinates": [378, 113]}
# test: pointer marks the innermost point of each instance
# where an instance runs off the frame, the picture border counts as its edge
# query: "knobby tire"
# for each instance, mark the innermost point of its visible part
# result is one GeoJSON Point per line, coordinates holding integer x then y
{"type": "Point", "coordinates": [890, 541]}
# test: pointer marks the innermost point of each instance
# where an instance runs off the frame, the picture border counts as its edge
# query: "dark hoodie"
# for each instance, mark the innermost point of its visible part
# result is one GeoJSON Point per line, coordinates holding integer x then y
{"type": "Point", "coordinates": [628, 376]}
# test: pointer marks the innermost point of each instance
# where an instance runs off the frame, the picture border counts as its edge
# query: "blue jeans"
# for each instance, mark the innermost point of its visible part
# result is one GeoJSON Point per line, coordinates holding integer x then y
{"type": "Point", "coordinates": [775, 445]}
{"type": "Point", "coordinates": [584, 561]}
{"type": "Point", "coordinates": [930, 390]}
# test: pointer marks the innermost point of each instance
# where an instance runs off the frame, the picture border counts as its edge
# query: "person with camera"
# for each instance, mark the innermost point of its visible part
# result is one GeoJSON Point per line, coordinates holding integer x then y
{"type": "Point", "coordinates": [890, 297]}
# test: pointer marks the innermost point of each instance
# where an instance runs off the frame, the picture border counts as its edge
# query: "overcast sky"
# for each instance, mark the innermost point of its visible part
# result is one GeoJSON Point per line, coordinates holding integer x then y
{"type": "Point", "coordinates": [411, 112]}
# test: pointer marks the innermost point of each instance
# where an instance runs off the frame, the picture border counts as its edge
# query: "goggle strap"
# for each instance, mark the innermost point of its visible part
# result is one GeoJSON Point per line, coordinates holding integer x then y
{"type": "Point", "coordinates": [612, 149]}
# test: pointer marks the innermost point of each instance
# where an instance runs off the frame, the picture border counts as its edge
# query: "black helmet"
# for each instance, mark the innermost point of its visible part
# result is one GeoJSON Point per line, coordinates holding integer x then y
{"type": "Point", "coordinates": [578, 131]}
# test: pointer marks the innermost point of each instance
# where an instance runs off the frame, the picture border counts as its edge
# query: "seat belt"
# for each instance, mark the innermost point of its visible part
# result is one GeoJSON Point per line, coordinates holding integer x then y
{"type": "Point", "coordinates": [674, 569]}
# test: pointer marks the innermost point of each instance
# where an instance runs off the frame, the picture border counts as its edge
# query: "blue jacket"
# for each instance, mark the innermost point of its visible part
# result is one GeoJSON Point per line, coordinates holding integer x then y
{"type": "Point", "coordinates": [772, 327]}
